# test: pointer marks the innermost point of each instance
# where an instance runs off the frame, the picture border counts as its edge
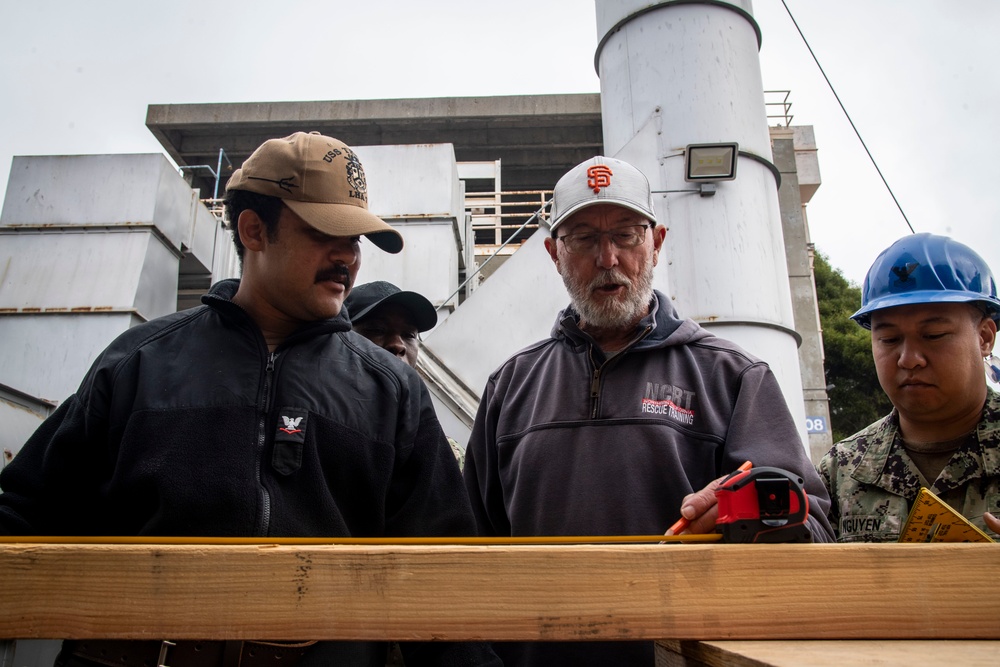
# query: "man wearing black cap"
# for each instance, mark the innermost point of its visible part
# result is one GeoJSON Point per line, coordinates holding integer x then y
{"type": "Point", "coordinates": [258, 413]}
{"type": "Point", "coordinates": [391, 318]}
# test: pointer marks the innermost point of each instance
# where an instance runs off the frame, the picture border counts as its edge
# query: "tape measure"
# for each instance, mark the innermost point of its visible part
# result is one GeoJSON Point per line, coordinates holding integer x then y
{"type": "Point", "coordinates": [933, 520]}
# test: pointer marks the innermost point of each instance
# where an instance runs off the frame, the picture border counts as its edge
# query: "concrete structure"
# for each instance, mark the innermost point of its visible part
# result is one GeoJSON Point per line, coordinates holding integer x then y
{"type": "Point", "coordinates": [536, 137]}
{"type": "Point", "coordinates": [794, 150]}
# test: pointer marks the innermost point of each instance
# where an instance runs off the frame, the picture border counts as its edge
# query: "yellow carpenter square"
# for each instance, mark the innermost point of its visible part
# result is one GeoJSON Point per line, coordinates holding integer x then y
{"type": "Point", "coordinates": [933, 520]}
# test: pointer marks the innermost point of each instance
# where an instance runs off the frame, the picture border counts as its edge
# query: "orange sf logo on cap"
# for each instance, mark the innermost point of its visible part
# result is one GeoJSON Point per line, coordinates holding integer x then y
{"type": "Point", "coordinates": [599, 176]}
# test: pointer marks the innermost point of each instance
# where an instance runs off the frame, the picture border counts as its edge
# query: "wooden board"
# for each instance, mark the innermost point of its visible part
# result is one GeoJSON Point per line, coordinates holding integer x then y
{"type": "Point", "coordinates": [828, 653]}
{"type": "Point", "coordinates": [794, 591]}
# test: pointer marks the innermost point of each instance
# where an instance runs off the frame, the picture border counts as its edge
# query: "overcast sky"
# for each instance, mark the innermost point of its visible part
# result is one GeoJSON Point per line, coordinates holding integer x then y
{"type": "Point", "coordinates": [919, 79]}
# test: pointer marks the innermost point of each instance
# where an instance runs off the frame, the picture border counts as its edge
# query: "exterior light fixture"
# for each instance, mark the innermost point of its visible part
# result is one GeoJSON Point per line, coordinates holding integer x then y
{"type": "Point", "coordinates": [707, 164]}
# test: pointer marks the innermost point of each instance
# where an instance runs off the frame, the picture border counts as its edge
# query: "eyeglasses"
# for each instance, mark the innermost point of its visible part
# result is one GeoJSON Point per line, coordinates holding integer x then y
{"type": "Point", "coordinates": [622, 238]}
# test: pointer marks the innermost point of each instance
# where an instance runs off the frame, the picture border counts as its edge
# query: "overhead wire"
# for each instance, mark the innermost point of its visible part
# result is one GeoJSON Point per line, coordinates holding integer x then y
{"type": "Point", "coordinates": [848, 116]}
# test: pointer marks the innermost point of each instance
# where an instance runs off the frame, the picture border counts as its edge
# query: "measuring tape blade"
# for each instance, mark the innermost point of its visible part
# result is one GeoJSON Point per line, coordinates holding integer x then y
{"type": "Point", "coordinates": [363, 541]}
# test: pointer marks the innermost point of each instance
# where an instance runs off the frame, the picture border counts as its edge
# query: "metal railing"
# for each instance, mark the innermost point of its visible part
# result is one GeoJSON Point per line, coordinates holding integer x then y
{"type": "Point", "coordinates": [216, 172]}
{"type": "Point", "coordinates": [496, 212]}
{"type": "Point", "coordinates": [778, 107]}
{"type": "Point", "coordinates": [496, 216]}
{"type": "Point", "coordinates": [217, 208]}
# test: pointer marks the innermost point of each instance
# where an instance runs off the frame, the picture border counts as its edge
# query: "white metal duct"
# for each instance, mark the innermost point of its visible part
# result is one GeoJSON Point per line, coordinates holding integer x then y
{"type": "Point", "coordinates": [90, 246]}
{"type": "Point", "coordinates": [416, 189]}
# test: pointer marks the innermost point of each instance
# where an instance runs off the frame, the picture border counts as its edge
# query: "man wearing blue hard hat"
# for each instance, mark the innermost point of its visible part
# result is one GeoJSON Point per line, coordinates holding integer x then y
{"type": "Point", "coordinates": [931, 305]}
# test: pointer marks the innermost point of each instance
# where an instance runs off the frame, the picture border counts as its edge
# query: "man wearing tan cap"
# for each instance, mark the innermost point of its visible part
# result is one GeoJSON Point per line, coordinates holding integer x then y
{"type": "Point", "coordinates": [259, 413]}
{"type": "Point", "coordinates": [622, 419]}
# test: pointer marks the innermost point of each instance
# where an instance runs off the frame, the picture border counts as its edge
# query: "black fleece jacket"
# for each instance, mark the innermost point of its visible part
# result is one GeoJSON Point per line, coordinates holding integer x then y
{"type": "Point", "coordinates": [187, 426]}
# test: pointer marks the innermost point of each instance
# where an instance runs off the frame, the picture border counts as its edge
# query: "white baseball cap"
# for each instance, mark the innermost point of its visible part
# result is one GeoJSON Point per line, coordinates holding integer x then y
{"type": "Point", "coordinates": [601, 180]}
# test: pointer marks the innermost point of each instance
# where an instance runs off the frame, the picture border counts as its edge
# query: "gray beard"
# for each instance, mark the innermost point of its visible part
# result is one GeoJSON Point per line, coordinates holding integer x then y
{"type": "Point", "coordinates": [612, 313]}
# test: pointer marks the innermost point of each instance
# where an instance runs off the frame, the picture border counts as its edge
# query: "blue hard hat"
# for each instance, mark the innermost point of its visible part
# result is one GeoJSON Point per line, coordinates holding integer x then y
{"type": "Point", "coordinates": [926, 268]}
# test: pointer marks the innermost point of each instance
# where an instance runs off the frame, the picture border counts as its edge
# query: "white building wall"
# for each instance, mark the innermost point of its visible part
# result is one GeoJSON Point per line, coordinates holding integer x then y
{"type": "Point", "coordinates": [416, 189]}
{"type": "Point", "coordinates": [91, 245]}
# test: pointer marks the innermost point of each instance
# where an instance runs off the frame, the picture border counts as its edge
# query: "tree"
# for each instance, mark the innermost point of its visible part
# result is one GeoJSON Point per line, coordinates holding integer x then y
{"type": "Point", "coordinates": [856, 398]}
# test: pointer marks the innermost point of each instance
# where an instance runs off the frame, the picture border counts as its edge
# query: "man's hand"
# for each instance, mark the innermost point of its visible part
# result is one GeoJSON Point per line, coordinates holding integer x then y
{"type": "Point", "coordinates": [992, 522]}
{"type": "Point", "coordinates": [700, 510]}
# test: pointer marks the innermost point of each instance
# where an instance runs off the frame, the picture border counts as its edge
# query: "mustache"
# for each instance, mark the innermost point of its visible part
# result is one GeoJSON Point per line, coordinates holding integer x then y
{"type": "Point", "coordinates": [337, 273]}
{"type": "Point", "coordinates": [609, 276]}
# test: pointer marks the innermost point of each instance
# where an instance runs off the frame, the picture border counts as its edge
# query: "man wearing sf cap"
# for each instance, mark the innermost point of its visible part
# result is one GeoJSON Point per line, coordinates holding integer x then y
{"type": "Point", "coordinates": [627, 413]}
{"type": "Point", "coordinates": [258, 413]}
{"type": "Point", "coordinates": [931, 305]}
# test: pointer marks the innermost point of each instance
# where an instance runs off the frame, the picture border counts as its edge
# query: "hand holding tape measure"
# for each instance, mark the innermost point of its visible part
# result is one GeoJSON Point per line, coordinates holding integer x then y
{"type": "Point", "coordinates": [754, 505]}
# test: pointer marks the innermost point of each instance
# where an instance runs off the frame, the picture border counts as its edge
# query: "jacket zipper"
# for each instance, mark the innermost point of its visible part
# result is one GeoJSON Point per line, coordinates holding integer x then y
{"type": "Point", "coordinates": [595, 380]}
{"type": "Point", "coordinates": [265, 498]}
{"type": "Point", "coordinates": [595, 392]}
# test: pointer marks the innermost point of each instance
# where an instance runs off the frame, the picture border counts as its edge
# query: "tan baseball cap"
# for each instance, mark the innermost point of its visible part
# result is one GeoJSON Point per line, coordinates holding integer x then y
{"type": "Point", "coordinates": [321, 180]}
{"type": "Point", "coordinates": [601, 180]}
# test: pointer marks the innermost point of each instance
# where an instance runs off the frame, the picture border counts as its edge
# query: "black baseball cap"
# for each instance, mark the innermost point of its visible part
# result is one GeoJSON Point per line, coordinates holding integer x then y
{"type": "Point", "coordinates": [364, 299]}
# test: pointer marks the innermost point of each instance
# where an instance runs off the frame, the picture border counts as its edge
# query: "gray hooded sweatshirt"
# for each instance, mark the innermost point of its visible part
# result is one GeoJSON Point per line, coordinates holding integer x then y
{"type": "Point", "coordinates": [569, 442]}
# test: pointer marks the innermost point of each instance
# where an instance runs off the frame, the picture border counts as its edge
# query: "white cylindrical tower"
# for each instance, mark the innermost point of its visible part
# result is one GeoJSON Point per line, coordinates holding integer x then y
{"type": "Point", "coordinates": [680, 72]}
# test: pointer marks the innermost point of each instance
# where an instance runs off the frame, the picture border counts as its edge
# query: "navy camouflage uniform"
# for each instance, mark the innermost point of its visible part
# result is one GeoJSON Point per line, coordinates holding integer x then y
{"type": "Point", "coordinates": [873, 482]}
